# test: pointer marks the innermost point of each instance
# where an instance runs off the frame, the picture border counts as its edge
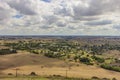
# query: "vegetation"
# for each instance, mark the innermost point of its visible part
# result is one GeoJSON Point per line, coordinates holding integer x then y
{"type": "Point", "coordinates": [33, 74]}
{"type": "Point", "coordinates": [7, 51]}
{"type": "Point", "coordinates": [86, 61]}
{"type": "Point", "coordinates": [69, 50]}
{"type": "Point", "coordinates": [98, 59]}
{"type": "Point", "coordinates": [53, 77]}
{"type": "Point", "coordinates": [109, 67]}
{"type": "Point", "coordinates": [88, 51]}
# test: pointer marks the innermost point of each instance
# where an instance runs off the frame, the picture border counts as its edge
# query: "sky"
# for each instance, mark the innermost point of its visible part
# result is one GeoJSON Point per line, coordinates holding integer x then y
{"type": "Point", "coordinates": [60, 17]}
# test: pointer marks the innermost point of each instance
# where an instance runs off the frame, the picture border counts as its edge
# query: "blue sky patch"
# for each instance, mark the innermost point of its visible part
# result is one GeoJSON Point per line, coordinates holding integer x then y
{"type": "Point", "coordinates": [46, 0]}
{"type": "Point", "coordinates": [18, 16]}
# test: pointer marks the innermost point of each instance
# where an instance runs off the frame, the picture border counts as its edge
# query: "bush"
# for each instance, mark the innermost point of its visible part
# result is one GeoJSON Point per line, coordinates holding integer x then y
{"type": "Point", "coordinates": [85, 60]}
{"type": "Point", "coordinates": [114, 68]}
{"type": "Point", "coordinates": [33, 74]}
{"type": "Point", "coordinates": [7, 51]}
{"type": "Point", "coordinates": [57, 75]}
{"type": "Point", "coordinates": [98, 59]}
{"type": "Point", "coordinates": [53, 55]}
{"type": "Point", "coordinates": [10, 74]}
{"type": "Point", "coordinates": [105, 79]}
{"type": "Point", "coordinates": [35, 52]}
{"type": "Point", "coordinates": [95, 78]}
{"type": "Point", "coordinates": [114, 79]}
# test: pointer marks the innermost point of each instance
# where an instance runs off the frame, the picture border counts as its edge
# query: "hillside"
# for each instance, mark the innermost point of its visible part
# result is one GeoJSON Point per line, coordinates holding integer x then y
{"type": "Point", "coordinates": [23, 58]}
{"type": "Point", "coordinates": [42, 65]}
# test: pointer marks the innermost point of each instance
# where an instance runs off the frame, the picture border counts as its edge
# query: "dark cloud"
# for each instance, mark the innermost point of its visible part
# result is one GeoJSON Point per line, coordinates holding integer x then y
{"type": "Point", "coordinates": [83, 18]}
{"type": "Point", "coordinates": [50, 19]}
{"type": "Point", "coordinates": [72, 27]}
{"type": "Point", "coordinates": [99, 23]}
{"type": "Point", "coordinates": [45, 27]}
{"type": "Point", "coordinates": [87, 8]}
{"type": "Point", "coordinates": [116, 26]}
{"type": "Point", "coordinates": [4, 15]}
{"type": "Point", "coordinates": [96, 7]}
{"type": "Point", "coordinates": [24, 6]}
{"type": "Point", "coordinates": [61, 24]}
{"type": "Point", "coordinates": [5, 11]}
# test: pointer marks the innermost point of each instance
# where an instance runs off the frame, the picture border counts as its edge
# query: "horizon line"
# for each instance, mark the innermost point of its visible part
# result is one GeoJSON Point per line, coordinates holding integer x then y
{"type": "Point", "coordinates": [60, 35]}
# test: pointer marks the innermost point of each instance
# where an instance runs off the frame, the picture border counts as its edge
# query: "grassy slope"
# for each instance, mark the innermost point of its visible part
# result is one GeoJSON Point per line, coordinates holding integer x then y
{"type": "Point", "coordinates": [28, 63]}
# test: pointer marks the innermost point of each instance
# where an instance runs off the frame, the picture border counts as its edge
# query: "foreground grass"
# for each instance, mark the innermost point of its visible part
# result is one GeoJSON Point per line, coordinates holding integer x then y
{"type": "Point", "coordinates": [24, 78]}
{"type": "Point", "coordinates": [48, 78]}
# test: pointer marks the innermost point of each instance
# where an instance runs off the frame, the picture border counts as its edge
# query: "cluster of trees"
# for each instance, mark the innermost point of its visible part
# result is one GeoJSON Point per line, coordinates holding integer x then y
{"type": "Point", "coordinates": [86, 60]}
{"type": "Point", "coordinates": [89, 60]}
{"type": "Point", "coordinates": [7, 51]}
{"type": "Point", "coordinates": [78, 52]}
{"type": "Point", "coordinates": [98, 59]}
{"type": "Point", "coordinates": [99, 49]}
{"type": "Point", "coordinates": [63, 46]}
{"type": "Point", "coordinates": [53, 55]}
{"type": "Point", "coordinates": [110, 67]}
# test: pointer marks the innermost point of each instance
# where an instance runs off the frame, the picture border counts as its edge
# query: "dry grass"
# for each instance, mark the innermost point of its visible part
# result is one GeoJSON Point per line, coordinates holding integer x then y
{"type": "Point", "coordinates": [41, 65]}
{"type": "Point", "coordinates": [25, 58]}
{"type": "Point", "coordinates": [112, 53]}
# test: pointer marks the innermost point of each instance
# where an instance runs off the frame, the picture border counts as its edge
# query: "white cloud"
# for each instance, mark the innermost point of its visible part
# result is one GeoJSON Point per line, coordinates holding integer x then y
{"type": "Point", "coordinates": [89, 17]}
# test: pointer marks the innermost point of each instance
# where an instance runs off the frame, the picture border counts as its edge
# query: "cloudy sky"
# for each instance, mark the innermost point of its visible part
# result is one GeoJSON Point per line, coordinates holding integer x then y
{"type": "Point", "coordinates": [59, 17]}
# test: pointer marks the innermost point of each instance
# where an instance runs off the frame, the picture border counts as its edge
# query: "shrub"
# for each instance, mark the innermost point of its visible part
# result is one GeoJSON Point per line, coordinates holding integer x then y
{"type": "Point", "coordinates": [114, 68]}
{"type": "Point", "coordinates": [114, 79]}
{"type": "Point", "coordinates": [105, 79]}
{"type": "Point", "coordinates": [52, 55]}
{"type": "Point", "coordinates": [33, 74]}
{"type": "Point", "coordinates": [10, 74]}
{"type": "Point", "coordinates": [98, 59]}
{"type": "Point", "coordinates": [7, 51]}
{"type": "Point", "coordinates": [85, 60]}
{"type": "Point", "coordinates": [95, 78]}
